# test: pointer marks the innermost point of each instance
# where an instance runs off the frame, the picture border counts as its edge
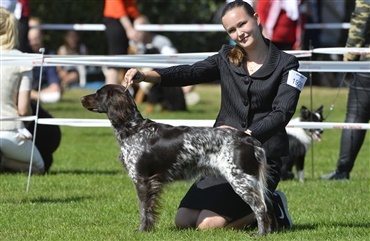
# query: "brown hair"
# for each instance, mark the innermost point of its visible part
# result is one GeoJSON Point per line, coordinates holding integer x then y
{"type": "Point", "coordinates": [237, 54]}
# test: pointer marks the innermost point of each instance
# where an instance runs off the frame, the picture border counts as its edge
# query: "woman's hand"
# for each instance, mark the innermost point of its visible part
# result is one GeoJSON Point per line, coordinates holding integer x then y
{"type": "Point", "coordinates": [133, 76]}
{"type": "Point", "coordinates": [248, 132]}
{"type": "Point", "coordinates": [226, 127]}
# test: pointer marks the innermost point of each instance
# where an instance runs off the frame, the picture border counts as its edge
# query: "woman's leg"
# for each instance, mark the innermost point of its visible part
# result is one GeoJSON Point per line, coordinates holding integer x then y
{"type": "Point", "coordinates": [16, 153]}
{"type": "Point", "coordinates": [11, 165]}
{"type": "Point", "coordinates": [205, 219]}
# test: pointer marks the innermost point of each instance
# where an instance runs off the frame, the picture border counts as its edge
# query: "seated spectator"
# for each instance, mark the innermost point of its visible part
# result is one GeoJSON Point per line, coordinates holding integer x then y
{"type": "Point", "coordinates": [15, 87]}
{"type": "Point", "coordinates": [51, 90]}
{"type": "Point", "coordinates": [69, 75]}
{"type": "Point", "coordinates": [48, 137]}
{"type": "Point", "coordinates": [170, 98]}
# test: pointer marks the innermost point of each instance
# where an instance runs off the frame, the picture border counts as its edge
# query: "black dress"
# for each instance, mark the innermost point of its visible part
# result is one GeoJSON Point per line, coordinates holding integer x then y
{"type": "Point", "coordinates": [215, 194]}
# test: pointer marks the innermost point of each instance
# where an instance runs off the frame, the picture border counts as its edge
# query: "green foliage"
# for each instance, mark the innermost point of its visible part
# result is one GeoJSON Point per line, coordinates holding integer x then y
{"type": "Point", "coordinates": [158, 12]}
{"type": "Point", "coordinates": [88, 196]}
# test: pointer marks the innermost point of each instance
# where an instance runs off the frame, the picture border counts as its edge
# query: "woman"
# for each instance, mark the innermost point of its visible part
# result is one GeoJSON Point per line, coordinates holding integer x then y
{"type": "Point", "coordinates": [15, 89]}
{"type": "Point", "coordinates": [258, 97]}
{"type": "Point", "coordinates": [69, 75]}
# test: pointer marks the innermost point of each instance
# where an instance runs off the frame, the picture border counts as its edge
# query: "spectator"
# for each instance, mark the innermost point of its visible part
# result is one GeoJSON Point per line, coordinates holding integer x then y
{"type": "Point", "coordinates": [70, 75]}
{"type": "Point", "coordinates": [311, 15]}
{"type": "Point", "coordinates": [258, 97]}
{"type": "Point", "coordinates": [118, 19]}
{"type": "Point", "coordinates": [48, 137]}
{"type": "Point", "coordinates": [280, 21]}
{"type": "Point", "coordinates": [25, 14]}
{"type": "Point", "coordinates": [15, 87]}
{"type": "Point", "coordinates": [51, 90]}
{"type": "Point", "coordinates": [170, 98]}
{"type": "Point", "coordinates": [358, 103]}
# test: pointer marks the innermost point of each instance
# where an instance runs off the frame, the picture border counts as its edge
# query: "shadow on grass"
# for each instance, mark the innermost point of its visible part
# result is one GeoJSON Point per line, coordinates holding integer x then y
{"type": "Point", "coordinates": [49, 200]}
{"type": "Point", "coordinates": [86, 172]}
{"type": "Point", "coordinates": [59, 200]}
{"type": "Point", "coordinates": [302, 227]}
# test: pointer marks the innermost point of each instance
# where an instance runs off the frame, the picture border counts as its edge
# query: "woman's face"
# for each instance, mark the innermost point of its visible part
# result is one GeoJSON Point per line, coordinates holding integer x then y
{"type": "Point", "coordinates": [242, 28]}
{"type": "Point", "coordinates": [72, 38]}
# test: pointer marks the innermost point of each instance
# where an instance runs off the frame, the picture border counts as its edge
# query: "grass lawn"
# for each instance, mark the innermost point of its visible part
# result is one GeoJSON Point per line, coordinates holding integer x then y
{"type": "Point", "coordinates": [88, 196]}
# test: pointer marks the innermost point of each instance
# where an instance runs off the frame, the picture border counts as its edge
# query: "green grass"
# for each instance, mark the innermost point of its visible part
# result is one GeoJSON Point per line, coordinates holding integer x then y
{"type": "Point", "coordinates": [88, 196]}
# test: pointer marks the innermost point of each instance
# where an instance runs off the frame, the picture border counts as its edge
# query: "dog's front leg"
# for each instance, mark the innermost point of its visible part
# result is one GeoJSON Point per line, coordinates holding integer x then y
{"type": "Point", "coordinates": [148, 191]}
{"type": "Point", "coordinates": [146, 219]}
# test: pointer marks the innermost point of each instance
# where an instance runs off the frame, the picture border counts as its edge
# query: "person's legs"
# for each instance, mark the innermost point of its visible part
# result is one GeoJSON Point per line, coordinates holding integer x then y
{"type": "Point", "coordinates": [186, 218]}
{"type": "Point", "coordinates": [358, 111]}
{"type": "Point", "coordinates": [112, 76]}
{"type": "Point", "coordinates": [16, 153]}
{"type": "Point", "coordinates": [210, 220]}
{"type": "Point", "coordinates": [118, 43]}
{"type": "Point", "coordinates": [206, 219]}
{"type": "Point", "coordinates": [11, 165]}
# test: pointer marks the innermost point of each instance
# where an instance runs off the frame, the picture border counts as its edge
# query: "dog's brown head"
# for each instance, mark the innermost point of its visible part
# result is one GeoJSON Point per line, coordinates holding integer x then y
{"type": "Point", "coordinates": [113, 100]}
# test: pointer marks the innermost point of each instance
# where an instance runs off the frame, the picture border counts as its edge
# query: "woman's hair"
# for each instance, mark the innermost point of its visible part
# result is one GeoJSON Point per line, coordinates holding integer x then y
{"type": "Point", "coordinates": [8, 29]}
{"type": "Point", "coordinates": [237, 53]}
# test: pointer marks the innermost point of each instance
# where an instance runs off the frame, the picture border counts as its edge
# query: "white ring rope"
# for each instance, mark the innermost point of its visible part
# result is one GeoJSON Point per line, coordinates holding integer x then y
{"type": "Point", "coordinates": [25, 118]}
{"type": "Point", "coordinates": [198, 123]}
{"type": "Point", "coordinates": [162, 61]}
{"type": "Point", "coordinates": [174, 27]}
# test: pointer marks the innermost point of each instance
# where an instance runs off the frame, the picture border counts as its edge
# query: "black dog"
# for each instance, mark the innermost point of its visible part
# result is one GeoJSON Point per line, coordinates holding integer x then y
{"type": "Point", "coordinates": [299, 142]}
{"type": "Point", "coordinates": [155, 154]}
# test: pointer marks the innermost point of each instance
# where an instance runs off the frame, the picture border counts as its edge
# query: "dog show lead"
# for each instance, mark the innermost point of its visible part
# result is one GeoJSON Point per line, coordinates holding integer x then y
{"type": "Point", "coordinates": [260, 88]}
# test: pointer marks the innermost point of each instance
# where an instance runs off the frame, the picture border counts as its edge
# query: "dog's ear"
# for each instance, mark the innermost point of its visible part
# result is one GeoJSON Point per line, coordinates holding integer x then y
{"type": "Point", "coordinates": [305, 113]}
{"type": "Point", "coordinates": [320, 109]}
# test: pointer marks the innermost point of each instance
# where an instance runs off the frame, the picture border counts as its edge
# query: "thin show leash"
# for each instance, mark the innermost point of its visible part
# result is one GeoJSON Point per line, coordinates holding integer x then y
{"type": "Point", "coordinates": [336, 97]}
{"type": "Point", "coordinates": [136, 77]}
{"type": "Point", "coordinates": [326, 117]}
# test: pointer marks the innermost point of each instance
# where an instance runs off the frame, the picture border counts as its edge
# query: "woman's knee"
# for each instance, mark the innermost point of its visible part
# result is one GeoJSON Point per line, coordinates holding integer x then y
{"type": "Point", "coordinates": [186, 218]}
{"type": "Point", "coordinates": [210, 220]}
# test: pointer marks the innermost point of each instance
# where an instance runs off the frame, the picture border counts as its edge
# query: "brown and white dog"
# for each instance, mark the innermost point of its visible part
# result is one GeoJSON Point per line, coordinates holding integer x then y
{"type": "Point", "coordinates": [155, 154]}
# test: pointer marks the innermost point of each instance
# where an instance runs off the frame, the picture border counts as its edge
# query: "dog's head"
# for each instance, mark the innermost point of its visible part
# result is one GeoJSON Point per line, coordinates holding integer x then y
{"type": "Point", "coordinates": [113, 100]}
{"type": "Point", "coordinates": [313, 116]}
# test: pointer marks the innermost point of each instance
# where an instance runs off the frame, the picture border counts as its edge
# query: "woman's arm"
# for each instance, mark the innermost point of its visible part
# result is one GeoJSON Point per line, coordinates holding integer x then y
{"type": "Point", "coordinates": [24, 95]}
{"type": "Point", "coordinates": [283, 106]}
{"type": "Point", "coordinates": [136, 76]}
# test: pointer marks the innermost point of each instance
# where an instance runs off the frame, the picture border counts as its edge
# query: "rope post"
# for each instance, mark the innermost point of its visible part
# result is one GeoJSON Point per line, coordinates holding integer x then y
{"type": "Point", "coordinates": [311, 107]}
{"type": "Point", "coordinates": [42, 51]}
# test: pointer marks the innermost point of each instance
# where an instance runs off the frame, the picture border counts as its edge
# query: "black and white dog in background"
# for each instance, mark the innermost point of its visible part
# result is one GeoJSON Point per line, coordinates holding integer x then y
{"type": "Point", "coordinates": [299, 142]}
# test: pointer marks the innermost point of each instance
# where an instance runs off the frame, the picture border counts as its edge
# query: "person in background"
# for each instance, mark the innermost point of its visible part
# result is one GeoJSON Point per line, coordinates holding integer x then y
{"type": "Point", "coordinates": [23, 26]}
{"type": "Point", "coordinates": [358, 103]}
{"type": "Point", "coordinates": [51, 90]}
{"type": "Point", "coordinates": [164, 45]}
{"type": "Point", "coordinates": [170, 98]}
{"type": "Point", "coordinates": [260, 88]}
{"type": "Point", "coordinates": [118, 20]}
{"type": "Point", "coordinates": [22, 11]}
{"type": "Point", "coordinates": [15, 88]}
{"type": "Point", "coordinates": [48, 137]}
{"type": "Point", "coordinates": [69, 75]}
{"type": "Point", "coordinates": [281, 22]}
